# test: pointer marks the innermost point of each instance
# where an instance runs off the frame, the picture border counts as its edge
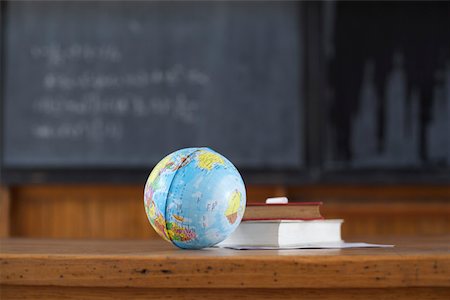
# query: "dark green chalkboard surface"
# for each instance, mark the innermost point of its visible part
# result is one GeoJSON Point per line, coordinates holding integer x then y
{"type": "Point", "coordinates": [121, 84]}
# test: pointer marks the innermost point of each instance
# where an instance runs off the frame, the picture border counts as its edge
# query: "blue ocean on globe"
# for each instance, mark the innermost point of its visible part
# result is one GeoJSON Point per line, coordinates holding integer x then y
{"type": "Point", "coordinates": [194, 198]}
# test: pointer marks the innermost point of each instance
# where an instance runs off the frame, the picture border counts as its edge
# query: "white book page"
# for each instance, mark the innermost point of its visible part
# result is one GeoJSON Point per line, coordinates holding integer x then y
{"type": "Point", "coordinates": [330, 245]}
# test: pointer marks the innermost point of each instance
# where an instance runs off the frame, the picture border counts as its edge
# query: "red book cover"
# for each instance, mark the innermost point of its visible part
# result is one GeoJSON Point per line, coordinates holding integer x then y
{"type": "Point", "coordinates": [283, 211]}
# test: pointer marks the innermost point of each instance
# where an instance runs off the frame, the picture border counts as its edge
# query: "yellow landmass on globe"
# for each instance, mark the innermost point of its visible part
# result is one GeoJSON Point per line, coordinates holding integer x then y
{"type": "Point", "coordinates": [158, 168]}
{"type": "Point", "coordinates": [233, 206]}
{"type": "Point", "coordinates": [157, 220]}
{"type": "Point", "coordinates": [152, 210]}
{"type": "Point", "coordinates": [207, 160]}
{"type": "Point", "coordinates": [160, 227]}
{"type": "Point", "coordinates": [178, 218]}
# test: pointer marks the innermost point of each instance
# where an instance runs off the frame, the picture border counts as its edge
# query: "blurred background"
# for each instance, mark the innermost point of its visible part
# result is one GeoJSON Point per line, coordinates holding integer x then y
{"type": "Point", "coordinates": [347, 103]}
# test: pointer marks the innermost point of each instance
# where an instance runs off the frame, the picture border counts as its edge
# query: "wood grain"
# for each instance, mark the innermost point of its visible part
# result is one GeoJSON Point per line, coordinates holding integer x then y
{"type": "Point", "coordinates": [423, 262]}
{"type": "Point", "coordinates": [5, 202]}
{"type": "Point", "coordinates": [57, 293]}
{"type": "Point", "coordinates": [79, 212]}
{"type": "Point", "coordinates": [378, 193]}
{"type": "Point", "coordinates": [107, 211]}
{"type": "Point", "coordinates": [395, 218]}
{"type": "Point", "coordinates": [87, 211]}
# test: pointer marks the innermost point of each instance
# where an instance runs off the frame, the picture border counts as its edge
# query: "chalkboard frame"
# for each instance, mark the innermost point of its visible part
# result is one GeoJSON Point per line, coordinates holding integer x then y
{"type": "Point", "coordinates": [314, 130]}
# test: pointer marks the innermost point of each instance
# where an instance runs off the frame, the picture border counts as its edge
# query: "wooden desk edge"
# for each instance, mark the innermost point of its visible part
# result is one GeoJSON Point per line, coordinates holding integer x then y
{"type": "Point", "coordinates": [182, 271]}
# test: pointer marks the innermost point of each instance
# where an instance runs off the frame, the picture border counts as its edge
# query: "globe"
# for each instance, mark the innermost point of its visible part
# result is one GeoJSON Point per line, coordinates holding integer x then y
{"type": "Point", "coordinates": [194, 198]}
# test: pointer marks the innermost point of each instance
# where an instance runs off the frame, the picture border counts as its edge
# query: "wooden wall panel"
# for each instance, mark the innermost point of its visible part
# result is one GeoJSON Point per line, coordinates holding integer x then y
{"type": "Point", "coordinates": [370, 193]}
{"type": "Point", "coordinates": [93, 211]}
{"type": "Point", "coordinates": [79, 212]}
{"type": "Point", "coordinates": [372, 219]}
{"type": "Point", "coordinates": [382, 210]}
{"type": "Point", "coordinates": [5, 202]}
{"type": "Point", "coordinates": [88, 211]}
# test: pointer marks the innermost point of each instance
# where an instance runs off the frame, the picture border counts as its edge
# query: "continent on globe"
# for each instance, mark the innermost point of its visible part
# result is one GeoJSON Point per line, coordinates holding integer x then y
{"type": "Point", "coordinates": [233, 207]}
{"type": "Point", "coordinates": [180, 233]}
{"type": "Point", "coordinates": [156, 219]}
{"type": "Point", "coordinates": [207, 160]}
{"type": "Point", "coordinates": [190, 207]}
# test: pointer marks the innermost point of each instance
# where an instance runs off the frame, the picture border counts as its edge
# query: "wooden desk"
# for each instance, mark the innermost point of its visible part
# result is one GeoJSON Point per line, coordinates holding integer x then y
{"type": "Point", "coordinates": [417, 268]}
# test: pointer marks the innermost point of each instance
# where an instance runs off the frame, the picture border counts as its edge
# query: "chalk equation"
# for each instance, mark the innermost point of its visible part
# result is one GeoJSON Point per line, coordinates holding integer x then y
{"type": "Point", "coordinates": [55, 54]}
{"type": "Point", "coordinates": [94, 104]}
{"type": "Point", "coordinates": [95, 130]}
{"type": "Point", "coordinates": [88, 96]}
{"type": "Point", "coordinates": [140, 79]}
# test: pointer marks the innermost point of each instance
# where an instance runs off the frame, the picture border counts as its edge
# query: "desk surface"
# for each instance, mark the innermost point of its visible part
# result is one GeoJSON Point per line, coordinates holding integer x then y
{"type": "Point", "coordinates": [414, 262]}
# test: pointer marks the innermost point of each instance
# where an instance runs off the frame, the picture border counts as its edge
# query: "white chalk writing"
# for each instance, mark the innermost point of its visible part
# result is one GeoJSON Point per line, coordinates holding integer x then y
{"type": "Point", "coordinates": [78, 101]}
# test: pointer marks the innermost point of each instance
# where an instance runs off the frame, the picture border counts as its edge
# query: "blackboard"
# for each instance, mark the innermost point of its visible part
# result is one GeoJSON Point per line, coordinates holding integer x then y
{"type": "Point", "coordinates": [389, 83]}
{"type": "Point", "coordinates": [310, 92]}
{"type": "Point", "coordinates": [121, 84]}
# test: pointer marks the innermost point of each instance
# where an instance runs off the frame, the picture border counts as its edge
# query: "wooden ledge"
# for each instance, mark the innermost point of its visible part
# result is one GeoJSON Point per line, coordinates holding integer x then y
{"type": "Point", "coordinates": [414, 262]}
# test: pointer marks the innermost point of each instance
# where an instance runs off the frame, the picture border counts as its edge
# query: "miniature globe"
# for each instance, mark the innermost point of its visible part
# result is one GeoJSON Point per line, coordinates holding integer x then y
{"type": "Point", "coordinates": [194, 198]}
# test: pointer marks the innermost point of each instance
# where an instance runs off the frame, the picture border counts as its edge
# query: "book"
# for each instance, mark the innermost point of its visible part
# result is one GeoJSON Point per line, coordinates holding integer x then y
{"type": "Point", "coordinates": [284, 233]}
{"type": "Point", "coordinates": [285, 211]}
